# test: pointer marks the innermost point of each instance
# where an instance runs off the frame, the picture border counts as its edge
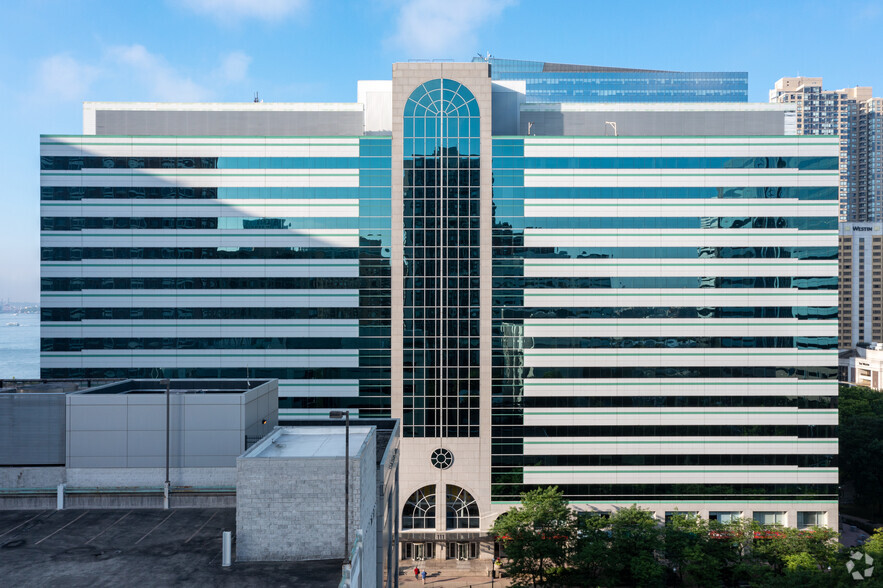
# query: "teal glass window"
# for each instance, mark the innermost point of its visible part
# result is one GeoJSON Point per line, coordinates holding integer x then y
{"type": "Point", "coordinates": [441, 162]}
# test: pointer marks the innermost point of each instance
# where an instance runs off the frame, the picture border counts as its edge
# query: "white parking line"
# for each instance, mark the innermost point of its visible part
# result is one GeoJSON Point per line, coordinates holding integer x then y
{"type": "Point", "coordinates": [67, 525]}
{"type": "Point", "coordinates": [23, 524]}
{"type": "Point", "coordinates": [108, 527]}
{"type": "Point", "coordinates": [155, 528]}
{"type": "Point", "coordinates": [201, 527]}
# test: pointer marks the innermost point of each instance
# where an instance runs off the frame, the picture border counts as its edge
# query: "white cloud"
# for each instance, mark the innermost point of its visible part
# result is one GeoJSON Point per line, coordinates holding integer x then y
{"type": "Point", "coordinates": [233, 68]}
{"type": "Point", "coordinates": [231, 11]}
{"type": "Point", "coordinates": [132, 72]}
{"type": "Point", "coordinates": [61, 77]}
{"type": "Point", "coordinates": [160, 80]}
{"type": "Point", "coordinates": [443, 28]}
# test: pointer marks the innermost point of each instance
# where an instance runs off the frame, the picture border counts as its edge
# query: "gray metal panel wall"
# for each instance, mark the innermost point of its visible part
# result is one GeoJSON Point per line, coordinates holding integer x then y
{"type": "Point", "coordinates": [32, 429]}
{"type": "Point", "coordinates": [129, 430]}
{"type": "Point", "coordinates": [659, 123]}
{"type": "Point", "coordinates": [504, 115]}
{"type": "Point", "coordinates": [229, 123]}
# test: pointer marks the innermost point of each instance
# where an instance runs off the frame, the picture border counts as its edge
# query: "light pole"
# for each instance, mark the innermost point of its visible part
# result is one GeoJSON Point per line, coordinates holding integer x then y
{"type": "Point", "coordinates": [336, 414]}
{"type": "Point", "coordinates": [167, 486]}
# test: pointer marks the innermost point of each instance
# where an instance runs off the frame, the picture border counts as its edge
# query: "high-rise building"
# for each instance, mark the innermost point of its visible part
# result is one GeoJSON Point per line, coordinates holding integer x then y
{"type": "Point", "coordinates": [645, 317]}
{"type": "Point", "coordinates": [861, 284]}
{"type": "Point", "coordinates": [857, 118]}
{"type": "Point", "coordinates": [854, 116]}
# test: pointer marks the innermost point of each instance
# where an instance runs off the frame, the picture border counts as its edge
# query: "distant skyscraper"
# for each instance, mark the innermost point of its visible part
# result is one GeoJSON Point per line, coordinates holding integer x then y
{"type": "Point", "coordinates": [861, 283]}
{"type": "Point", "coordinates": [855, 116]}
{"type": "Point", "coordinates": [561, 82]}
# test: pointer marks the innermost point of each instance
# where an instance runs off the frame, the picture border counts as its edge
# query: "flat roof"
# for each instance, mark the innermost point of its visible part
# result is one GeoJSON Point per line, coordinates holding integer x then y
{"type": "Point", "coordinates": [228, 106]}
{"type": "Point", "coordinates": [385, 429]}
{"type": "Point", "coordinates": [176, 387]}
{"type": "Point", "coordinates": [311, 442]}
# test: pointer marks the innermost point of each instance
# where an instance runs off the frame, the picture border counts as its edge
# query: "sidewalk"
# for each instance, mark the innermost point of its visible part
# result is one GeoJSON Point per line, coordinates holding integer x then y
{"type": "Point", "coordinates": [450, 579]}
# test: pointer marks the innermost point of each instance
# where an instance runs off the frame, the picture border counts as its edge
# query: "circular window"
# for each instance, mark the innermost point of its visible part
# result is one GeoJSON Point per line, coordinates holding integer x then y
{"type": "Point", "coordinates": [442, 458]}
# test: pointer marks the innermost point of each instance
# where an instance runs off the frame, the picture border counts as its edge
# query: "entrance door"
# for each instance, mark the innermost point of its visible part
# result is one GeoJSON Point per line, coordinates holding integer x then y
{"type": "Point", "coordinates": [419, 551]}
{"type": "Point", "coordinates": [462, 551]}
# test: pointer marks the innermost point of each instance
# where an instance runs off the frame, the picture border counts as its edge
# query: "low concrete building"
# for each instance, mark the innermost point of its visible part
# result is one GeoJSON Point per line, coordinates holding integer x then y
{"type": "Point", "coordinates": [105, 446]}
{"type": "Point", "coordinates": [290, 499]}
{"type": "Point", "coordinates": [862, 366]}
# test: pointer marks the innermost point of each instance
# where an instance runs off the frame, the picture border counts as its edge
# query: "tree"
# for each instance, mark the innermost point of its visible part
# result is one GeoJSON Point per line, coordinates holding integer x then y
{"type": "Point", "coordinates": [537, 536]}
{"type": "Point", "coordinates": [779, 543]}
{"type": "Point", "coordinates": [590, 557]}
{"type": "Point", "coordinates": [861, 444]}
{"type": "Point", "coordinates": [874, 544]}
{"type": "Point", "coordinates": [693, 555]}
{"type": "Point", "coordinates": [635, 539]}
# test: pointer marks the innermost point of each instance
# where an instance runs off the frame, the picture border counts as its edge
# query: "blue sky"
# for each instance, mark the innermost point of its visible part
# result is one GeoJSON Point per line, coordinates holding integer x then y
{"type": "Point", "coordinates": [56, 53]}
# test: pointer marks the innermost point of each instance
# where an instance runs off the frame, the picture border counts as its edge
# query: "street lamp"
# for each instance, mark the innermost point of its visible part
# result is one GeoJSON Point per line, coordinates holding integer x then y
{"type": "Point", "coordinates": [337, 414]}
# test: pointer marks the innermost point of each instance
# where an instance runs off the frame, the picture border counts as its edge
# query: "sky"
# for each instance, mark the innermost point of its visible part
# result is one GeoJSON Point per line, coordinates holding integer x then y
{"type": "Point", "coordinates": [55, 54]}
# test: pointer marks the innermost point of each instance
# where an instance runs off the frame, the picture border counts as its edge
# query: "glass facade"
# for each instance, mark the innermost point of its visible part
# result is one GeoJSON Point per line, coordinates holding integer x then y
{"type": "Point", "coordinates": [144, 275]}
{"type": "Point", "coordinates": [441, 261]}
{"type": "Point", "coordinates": [553, 82]}
{"type": "Point", "coordinates": [605, 368]}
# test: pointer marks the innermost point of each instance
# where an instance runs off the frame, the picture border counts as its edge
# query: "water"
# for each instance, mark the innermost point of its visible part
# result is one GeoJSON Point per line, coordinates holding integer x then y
{"type": "Point", "coordinates": [20, 346]}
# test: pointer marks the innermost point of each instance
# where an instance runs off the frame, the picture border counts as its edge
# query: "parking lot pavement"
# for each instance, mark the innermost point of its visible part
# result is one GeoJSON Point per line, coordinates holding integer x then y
{"type": "Point", "coordinates": [146, 547]}
{"type": "Point", "coordinates": [851, 536]}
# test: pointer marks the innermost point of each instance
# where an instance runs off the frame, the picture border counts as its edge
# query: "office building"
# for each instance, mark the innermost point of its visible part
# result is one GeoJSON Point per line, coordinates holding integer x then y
{"type": "Point", "coordinates": [641, 317]}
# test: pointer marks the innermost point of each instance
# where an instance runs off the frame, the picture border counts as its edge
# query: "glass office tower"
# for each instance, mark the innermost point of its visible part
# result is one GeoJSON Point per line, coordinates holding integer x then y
{"type": "Point", "coordinates": [645, 318]}
{"type": "Point", "coordinates": [561, 82]}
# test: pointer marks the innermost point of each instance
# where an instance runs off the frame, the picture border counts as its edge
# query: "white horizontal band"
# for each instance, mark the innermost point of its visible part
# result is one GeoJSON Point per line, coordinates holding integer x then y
{"type": "Point", "coordinates": [679, 475]}
{"type": "Point", "coordinates": [258, 328]}
{"type": "Point", "coordinates": [625, 387]}
{"type": "Point", "coordinates": [678, 416]}
{"type": "Point", "coordinates": [318, 388]}
{"type": "Point", "coordinates": [666, 267]}
{"type": "Point", "coordinates": [679, 238]}
{"type": "Point", "coordinates": [678, 446]}
{"type": "Point", "coordinates": [679, 357]}
{"type": "Point", "coordinates": [671, 207]}
{"type": "Point", "coordinates": [201, 268]}
{"type": "Point", "coordinates": [187, 358]}
{"type": "Point", "coordinates": [240, 207]}
{"type": "Point", "coordinates": [686, 297]}
{"type": "Point", "coordinates": [677, 327]}
{"type": "Point", "coordinates": [319, 298]}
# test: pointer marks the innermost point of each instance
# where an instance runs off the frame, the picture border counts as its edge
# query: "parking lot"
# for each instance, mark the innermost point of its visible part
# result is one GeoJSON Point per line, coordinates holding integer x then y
{"type": "Point", "coordinates": [143, 547]}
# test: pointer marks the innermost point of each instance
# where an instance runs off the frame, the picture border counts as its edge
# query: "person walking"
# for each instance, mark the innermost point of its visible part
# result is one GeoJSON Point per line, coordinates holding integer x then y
{"type": "Point", "coordinates": [416, 573]}
{"type": "Point", "coordinates": [423, 574]}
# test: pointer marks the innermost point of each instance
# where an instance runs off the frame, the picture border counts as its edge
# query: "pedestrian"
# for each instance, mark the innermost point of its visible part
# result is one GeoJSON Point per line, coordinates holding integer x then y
{"type": "Point", "coordinates": [423, 574]}
{"type": "Point", "coordinates": [416, 573]}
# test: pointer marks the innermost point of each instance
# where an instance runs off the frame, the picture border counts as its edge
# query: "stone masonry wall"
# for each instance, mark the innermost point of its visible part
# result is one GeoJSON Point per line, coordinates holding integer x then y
{"type": "Point", "coordinates": [290, 509]}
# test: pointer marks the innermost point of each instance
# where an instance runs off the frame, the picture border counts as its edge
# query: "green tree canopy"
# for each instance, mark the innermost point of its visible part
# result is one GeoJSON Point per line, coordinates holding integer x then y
{"type": "Point", "coordinates": [537, 536]}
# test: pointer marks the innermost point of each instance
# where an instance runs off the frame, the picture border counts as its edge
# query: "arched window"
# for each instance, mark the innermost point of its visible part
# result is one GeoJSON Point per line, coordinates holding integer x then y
{"type": "Point", "coordinates": [462, 511]}
{"type": "Point", "coordinates": [419, 511]}
{"type": "Point", "coordinates": [441, 161]}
